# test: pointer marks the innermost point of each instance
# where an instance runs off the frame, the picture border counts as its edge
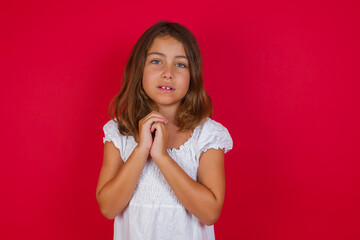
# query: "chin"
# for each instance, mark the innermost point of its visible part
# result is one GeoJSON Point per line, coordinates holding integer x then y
{"type": "Point", "coordinates": [167, 103]}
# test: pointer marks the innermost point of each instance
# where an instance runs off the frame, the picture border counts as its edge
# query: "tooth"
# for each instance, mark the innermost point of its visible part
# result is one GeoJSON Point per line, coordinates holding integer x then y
{"type": "Point", "coordinates": [167, 88]}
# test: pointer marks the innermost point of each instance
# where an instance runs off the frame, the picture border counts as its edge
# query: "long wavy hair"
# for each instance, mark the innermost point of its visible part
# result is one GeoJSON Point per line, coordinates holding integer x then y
{"type": "Point", "coordinates": [132, 104]}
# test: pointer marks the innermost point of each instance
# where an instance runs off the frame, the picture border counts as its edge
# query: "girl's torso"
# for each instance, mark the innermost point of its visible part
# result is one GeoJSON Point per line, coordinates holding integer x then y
{"type": "Point", "coordinates": [154, 212]}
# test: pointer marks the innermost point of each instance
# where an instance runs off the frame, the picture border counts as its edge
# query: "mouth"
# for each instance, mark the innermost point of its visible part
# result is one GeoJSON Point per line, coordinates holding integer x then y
{"type": "Point", "coordinates": [166, 88]}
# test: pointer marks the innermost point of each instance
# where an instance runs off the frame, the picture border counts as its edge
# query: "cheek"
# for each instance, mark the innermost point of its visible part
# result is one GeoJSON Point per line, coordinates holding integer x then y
{"type": "Point", "coordinates": [145, 85]}
{"type": "Point", "coordinates": [187, 80]}
{"type": "Point", "coordinates": [146, 78]}
{"type": "Point", "coordinates": [145, 74]}
{"type": "Point", "coordinates": [145, 82]}
{"type": "Point", "coordinates": [149, 74]}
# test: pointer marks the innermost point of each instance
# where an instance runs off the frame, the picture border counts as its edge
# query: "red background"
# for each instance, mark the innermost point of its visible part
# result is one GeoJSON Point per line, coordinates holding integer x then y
{"type": "Point", "coordinates": [283, 76]}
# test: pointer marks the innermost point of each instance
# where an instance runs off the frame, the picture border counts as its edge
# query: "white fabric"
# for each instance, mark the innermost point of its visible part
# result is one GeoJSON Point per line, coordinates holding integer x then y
{"type": "Point", "coordinates": [154, 212]}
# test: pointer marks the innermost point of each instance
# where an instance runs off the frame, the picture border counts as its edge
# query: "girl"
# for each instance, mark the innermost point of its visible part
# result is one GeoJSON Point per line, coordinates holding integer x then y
{"type": "Point", "coordinates": [163, 169]}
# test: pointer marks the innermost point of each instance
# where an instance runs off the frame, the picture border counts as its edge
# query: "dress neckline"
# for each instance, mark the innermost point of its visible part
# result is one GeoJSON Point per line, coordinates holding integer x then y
{"type": "Point", "coordinates": [179, 149]}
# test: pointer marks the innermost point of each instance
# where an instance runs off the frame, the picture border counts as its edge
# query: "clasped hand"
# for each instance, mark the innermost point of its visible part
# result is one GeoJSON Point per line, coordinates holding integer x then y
{"type": "Point", "coordinates": [152, 123]}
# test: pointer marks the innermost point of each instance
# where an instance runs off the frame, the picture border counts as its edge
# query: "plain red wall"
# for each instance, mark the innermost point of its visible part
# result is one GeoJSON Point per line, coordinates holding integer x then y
{"type": "Point", "coordinates": [284, 79]}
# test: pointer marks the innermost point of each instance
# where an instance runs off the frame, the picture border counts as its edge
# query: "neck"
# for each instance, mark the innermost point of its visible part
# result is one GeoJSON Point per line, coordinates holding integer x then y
{"type": "Point", "coordinates": [169, 112]}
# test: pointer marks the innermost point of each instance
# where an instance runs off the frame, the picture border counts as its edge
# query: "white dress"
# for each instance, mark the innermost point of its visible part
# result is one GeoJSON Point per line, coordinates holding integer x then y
{"type": "Point", "coordinates": [154, 212]}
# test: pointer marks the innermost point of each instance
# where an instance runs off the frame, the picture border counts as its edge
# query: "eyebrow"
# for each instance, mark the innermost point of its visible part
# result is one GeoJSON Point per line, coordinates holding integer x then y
{"type": "Point", "coordinates": [161, 54]}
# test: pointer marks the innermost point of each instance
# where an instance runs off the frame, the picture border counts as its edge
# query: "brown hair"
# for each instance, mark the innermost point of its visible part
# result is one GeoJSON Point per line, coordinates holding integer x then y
{"type": "Point", "coordinates": [132, 104]}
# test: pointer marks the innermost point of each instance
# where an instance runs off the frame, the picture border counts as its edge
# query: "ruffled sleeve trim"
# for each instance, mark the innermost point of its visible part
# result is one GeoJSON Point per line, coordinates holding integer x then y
{"type": "Point", "coordinates": [112, 134]}
{"type": "Point", "coordinates": [214, 135]}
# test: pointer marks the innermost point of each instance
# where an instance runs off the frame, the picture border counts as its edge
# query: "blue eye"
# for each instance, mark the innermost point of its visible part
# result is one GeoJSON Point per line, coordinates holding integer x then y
{"type": "Point", "coordinates": [156, 61]}
{"type": "Point", "coordinates": [181, 65]}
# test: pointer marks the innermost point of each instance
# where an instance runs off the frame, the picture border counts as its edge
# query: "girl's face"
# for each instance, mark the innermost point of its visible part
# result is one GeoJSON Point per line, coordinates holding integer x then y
{"type": "Point", "coordinates": [166, 74]}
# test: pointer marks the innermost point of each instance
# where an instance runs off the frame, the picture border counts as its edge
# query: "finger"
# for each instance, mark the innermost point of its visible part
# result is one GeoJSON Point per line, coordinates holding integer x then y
{"type": "Point", "coordinates": [154, 114]}
{"type": "Point", "coordinates": [159, 126]}
{"type": "Point", "coordinates": [154, 126]}
{"type": "Point", "coordinates": [150, 118]}
{"type": "Point", "coordinates": [153, 120]}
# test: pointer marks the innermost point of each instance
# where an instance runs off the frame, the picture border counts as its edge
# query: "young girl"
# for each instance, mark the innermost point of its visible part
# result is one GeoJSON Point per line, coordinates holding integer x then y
{"type": "Point", "coordinates": [163, 169]}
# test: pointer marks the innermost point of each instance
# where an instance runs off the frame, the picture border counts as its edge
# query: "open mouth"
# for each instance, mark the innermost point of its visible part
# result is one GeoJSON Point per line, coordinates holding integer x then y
{"type": "Point", "coordinates": [166, 88]}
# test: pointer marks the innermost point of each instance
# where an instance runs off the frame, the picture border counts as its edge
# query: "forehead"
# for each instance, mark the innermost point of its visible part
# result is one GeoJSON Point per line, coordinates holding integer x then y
{"type": "Point", "coordinates": [167, 45]}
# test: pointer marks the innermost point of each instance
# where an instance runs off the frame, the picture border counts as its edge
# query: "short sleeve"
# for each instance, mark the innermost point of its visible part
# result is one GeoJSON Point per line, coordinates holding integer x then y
{"type": "Point", "coordinates": [214, 135]}
{"type": "Point", "coordinates": [111, 133]}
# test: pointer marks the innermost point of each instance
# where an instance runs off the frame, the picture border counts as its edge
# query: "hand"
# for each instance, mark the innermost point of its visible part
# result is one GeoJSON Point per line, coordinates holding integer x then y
{"type": "Point", "coordinates": [159, 146]}
{"type": "Point", "coordinates": [145, 133]}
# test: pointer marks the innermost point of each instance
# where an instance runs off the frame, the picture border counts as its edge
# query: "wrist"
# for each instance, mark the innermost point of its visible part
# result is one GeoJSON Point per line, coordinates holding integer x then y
{"type": "Point", "coordinates": [160, 157]}
{"type": "Point", "coordinates": [142, 150]}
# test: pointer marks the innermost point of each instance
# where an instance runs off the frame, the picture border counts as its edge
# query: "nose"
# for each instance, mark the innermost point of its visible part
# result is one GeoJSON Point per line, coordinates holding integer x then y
{"type": "Point", "coordinates": [167, 73]}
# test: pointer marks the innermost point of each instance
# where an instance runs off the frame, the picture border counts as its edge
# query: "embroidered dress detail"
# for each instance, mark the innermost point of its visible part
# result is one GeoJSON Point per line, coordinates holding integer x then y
{"type": "Point", "coordinates": [154, 212]}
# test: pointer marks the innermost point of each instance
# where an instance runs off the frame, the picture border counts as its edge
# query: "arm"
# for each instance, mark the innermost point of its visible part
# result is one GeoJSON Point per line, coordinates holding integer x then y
{"type": "Point", "coordinates": [204, 198]}
{"type": "Point", "coordinates": [117, 180]}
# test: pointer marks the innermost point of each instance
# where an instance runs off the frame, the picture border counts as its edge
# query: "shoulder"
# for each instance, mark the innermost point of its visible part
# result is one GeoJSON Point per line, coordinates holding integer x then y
{"type": "Point", "coordinates": [124, 143]}
{"type": "Point", "coordinates": [214, 125]}
{"type": "Point", "coordinates": [111, 127]}
{"type": "Point", "coordinates": [111, 124]}
{"type": "Point", "coordinates": [211, 127]}
{"type": "Point", "coordinates": [212, 134]}
{"type": "Point", "coordinates": [112, 134]}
